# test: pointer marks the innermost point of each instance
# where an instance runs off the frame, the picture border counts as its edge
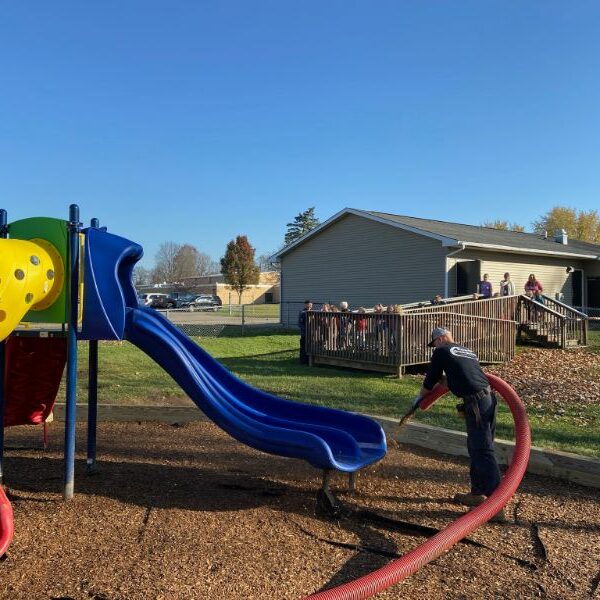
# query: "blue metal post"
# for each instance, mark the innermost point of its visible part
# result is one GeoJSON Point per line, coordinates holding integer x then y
{"type": "Point", "coordinates": [71, 400]}
{"type": "Point", "coordinates": [3, 234]}
{"type": "Point", "coordinates": [92, 397]}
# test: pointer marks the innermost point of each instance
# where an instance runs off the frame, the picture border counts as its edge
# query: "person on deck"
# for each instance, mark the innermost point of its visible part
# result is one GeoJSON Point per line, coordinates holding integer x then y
{"type": "Point", "coordinates": [507, 287]}
{"type": "Point", "coordinates": [485, 287]}
{"type": "Point", "coordinates": [465, 379]}
{"type": "Point", "coordinates": [533, 285]}
{"type": "Point", "coordinates": [302, 326]}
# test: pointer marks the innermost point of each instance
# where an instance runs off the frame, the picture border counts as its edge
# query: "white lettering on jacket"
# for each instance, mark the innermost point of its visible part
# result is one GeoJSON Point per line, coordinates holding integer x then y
{"type": "Point", "coordinates": [463, 352]}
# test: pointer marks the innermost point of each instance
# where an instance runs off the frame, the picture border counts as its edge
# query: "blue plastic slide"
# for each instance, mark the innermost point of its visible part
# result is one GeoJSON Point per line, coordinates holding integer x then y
{"type": "Point", "coordinates": [327, 438]}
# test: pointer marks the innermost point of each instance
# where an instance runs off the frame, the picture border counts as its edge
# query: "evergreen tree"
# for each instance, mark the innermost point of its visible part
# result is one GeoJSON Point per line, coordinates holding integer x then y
{"type": "Point", "coordinates": [303, 222]}
{"type": "Point", "coordinates": [238, 266]}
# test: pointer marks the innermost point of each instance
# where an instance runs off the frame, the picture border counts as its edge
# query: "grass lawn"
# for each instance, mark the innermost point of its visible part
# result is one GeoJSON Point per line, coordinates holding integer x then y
{"type": "Point", "coordinates": [268, 359]}
{"type": "Point", "coordinates": [270, 311]}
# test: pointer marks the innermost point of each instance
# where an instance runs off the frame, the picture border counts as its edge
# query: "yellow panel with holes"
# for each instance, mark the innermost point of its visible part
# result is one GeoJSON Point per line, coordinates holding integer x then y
{"type": "Point", "coordinates": [31, 278]}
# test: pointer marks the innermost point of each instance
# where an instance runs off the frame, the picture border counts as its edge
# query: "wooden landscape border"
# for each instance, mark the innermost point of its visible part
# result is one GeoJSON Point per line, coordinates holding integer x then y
{"type": "Point", "coordinates": [550, 463]}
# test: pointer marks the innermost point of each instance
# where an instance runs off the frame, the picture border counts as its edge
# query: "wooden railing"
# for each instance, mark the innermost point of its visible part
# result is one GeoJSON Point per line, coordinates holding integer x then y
{"type": "Point", "coordinates": [360, 337]}
{"type": "Point", "coordinates": [389, 342]}
{"type": "Point", "coordinates": [576, 327]}
{"type": "Point", "coordinates": [553, 322]}
{"type": "Point", "coordinates": [564, 309]}
{"type": "Point", "coordinates": [500, 307]}
{"type": "Point", "coordinates": [493, 340]}
{"type": "Point", "coordinates": [541, 321]}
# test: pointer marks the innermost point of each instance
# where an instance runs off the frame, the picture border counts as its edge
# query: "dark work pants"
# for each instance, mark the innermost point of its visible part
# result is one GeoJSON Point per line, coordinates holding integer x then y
{"type": "Point", "coordinates": [303, 355]}
{"type": "Point", "coordinates": [485, 474]}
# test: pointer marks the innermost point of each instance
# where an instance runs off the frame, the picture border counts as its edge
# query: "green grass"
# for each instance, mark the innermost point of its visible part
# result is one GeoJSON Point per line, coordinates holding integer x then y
{"type": "Point", "coordinates": [250, 311]}
{"type": "Point", "coordinates": [268, 359]}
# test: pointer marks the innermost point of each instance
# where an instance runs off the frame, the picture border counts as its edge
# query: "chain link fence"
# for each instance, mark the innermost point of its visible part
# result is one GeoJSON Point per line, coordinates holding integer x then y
{"type": "Point", "coordinates": [594, 314]}
{"type": "Point", "coordinates": [224, 320]}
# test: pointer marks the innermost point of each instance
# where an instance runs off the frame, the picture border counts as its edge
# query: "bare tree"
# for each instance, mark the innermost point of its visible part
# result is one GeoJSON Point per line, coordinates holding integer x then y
{"type": "Point", "coordinates": [190, 262]}
{"type": "Point", "coordinates": [266, 262]}
{"type": "Point", "coordinates": [141, 275]}
{"type": "Point", "coordinates": [165, 268]}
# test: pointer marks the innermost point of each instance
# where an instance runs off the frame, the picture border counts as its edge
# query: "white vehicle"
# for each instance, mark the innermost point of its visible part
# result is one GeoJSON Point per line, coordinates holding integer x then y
{"type": "Point", "coordinates": [157, 300]}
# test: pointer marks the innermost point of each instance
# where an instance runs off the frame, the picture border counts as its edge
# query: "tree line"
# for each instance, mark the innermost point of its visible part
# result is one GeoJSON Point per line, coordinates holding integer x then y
{"type": "Point", "coordinates": [174, 263]}
{"type": "Point", "coordinates": [579, 224]}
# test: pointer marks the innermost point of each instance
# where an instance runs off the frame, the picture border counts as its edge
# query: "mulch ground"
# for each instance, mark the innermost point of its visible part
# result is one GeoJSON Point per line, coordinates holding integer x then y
{"type": "Point", "coordinates": [187, 512]}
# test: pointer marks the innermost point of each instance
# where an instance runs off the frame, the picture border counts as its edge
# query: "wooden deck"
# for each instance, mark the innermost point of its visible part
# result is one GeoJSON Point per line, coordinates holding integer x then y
{"type": "Point", "coordinates": [389, 342]}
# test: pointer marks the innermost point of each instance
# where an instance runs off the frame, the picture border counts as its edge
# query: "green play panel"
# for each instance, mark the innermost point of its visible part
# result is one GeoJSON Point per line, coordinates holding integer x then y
{"type": "Point", "coordinates": [55, 232]}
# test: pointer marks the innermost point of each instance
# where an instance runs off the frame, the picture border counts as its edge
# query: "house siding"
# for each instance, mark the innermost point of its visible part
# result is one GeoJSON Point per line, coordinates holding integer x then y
{"type": "Point", "coordinates": [550, 271]}
{"type": "Point", "coordinates": [363, 262]}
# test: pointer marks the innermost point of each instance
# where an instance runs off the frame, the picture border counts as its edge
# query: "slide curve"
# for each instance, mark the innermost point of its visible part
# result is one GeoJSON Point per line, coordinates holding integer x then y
{"type": "Point", "coordinates": [327, 438]}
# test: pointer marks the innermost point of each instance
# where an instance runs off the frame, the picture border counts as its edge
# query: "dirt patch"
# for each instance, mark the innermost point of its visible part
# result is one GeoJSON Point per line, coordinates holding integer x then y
{"type": "Point", "coordinates": [187, 512]}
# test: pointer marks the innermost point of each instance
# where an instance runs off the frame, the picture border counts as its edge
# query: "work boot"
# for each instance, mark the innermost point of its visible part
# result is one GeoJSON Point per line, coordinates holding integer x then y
{"type": "Point", "coordinates": [499, 517]}
{"type": "Point", "coordinates": [469, 499]}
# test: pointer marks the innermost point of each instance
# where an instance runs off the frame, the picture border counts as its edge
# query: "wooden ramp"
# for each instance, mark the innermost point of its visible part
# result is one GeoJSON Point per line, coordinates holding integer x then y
{"type": "Point", "coordinates": [389, 342]}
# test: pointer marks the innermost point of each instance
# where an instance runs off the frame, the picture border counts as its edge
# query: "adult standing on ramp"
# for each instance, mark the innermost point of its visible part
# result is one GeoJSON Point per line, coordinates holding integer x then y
{"type": "Point", "coordinates": [466, 380]}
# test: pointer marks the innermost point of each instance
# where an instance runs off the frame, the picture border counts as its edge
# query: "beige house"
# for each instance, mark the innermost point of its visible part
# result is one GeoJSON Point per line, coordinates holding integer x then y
{"type": "Point", "coordinates": [366, 257]}
{"type": "Point", "coordinates": [266, 291]}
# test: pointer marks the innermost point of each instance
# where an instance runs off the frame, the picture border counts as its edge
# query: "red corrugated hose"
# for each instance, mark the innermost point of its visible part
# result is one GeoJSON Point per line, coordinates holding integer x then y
{"type": "Point", "coordinates": [377, 581]}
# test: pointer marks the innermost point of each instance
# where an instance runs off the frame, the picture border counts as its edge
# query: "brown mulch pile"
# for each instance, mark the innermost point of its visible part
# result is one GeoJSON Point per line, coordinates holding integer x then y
{"type": "Point", "coordinates": [554, 377]}
{"type": "Point", "coordinates": [187, 512]}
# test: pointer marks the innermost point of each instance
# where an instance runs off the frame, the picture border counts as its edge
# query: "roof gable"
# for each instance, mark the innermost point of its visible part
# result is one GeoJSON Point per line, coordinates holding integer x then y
{"type": "Point", "coordinates": [457, 234]}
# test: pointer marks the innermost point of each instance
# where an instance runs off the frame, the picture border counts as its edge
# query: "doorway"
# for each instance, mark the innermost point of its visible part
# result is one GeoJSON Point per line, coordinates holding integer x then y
{"type": "Point", "coordinates": [577, 288]}
{"type": "Point", "coordinates": [468, 275]}
{"type": "Point", "coordinates": [593, 292]}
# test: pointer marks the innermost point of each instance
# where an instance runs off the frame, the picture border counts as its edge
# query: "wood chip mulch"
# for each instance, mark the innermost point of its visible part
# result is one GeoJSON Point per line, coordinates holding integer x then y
{"type": "Point", "coordinates": [187, 512]}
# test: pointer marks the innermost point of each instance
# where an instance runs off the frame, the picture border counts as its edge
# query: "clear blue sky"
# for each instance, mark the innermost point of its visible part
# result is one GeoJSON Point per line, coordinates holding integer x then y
{"type": "Point", "coordinates": [197, 121]}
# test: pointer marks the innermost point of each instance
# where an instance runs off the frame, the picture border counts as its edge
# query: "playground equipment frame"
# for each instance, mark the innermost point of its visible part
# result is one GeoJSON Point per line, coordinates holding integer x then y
{"type": "Point", "coordinates": [73, 293]}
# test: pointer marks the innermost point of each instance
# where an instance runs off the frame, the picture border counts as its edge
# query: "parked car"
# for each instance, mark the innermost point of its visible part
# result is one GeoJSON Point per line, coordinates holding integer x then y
{"type": "Point", "coordinates": [205, 302]}
{"type": "Point", "coordinates": [158, 300]}
{"type": "Point", "coordinates": [182, 299]}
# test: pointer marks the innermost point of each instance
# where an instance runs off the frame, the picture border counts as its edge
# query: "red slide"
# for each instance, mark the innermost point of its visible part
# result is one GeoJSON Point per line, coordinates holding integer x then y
{"type": "Point", "coordinates": [34, 368]}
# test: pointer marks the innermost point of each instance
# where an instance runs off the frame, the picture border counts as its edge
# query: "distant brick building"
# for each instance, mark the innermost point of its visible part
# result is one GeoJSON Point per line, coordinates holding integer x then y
{"type": "Point", "coordinates": [266, 291]}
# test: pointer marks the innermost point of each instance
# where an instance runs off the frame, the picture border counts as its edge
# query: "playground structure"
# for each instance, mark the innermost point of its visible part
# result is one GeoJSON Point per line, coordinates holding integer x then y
{"type": "Point", "coordinates": [71, 284]}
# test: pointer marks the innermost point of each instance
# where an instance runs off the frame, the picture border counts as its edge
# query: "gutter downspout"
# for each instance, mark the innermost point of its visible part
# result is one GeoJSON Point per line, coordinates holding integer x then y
{"type": "Point", "coordinates": [454, 252]}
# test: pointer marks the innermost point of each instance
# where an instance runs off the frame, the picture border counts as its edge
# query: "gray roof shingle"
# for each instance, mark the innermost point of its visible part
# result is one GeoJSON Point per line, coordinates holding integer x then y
{"type": "Point", "coordinates": [489, 236]}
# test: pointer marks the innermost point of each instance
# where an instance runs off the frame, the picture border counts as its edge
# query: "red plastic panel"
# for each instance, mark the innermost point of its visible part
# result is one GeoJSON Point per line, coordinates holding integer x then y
{"type": "Point", "coordinates": [34, 368]}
